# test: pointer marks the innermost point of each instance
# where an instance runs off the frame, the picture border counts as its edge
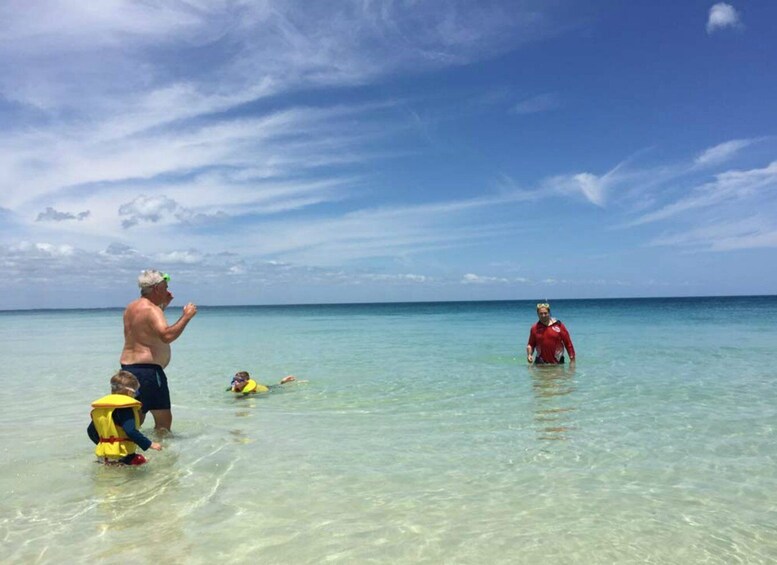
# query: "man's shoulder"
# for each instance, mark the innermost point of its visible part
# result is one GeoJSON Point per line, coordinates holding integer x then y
{"type": "Point", "coordinates": [140, 308]}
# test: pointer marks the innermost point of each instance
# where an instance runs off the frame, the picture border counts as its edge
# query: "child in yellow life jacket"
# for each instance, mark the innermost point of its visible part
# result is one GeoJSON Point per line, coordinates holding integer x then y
{"type": "Point", "coordinates": [115, 423]}
{"type": "Point", "coordinates": [242, 383]}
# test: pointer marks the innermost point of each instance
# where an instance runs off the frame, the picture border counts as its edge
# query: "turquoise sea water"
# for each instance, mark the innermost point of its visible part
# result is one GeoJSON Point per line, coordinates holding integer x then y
{"type": "Point", "coordinates": [420, 437]}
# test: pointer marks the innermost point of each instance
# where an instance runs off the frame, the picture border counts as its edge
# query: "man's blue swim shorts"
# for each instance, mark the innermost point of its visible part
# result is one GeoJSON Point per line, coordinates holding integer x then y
{"type": "Point", "coordinates": [153, 394]}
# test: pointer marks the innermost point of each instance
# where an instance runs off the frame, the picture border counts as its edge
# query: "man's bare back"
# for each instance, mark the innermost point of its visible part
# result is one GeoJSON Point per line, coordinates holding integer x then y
{"type": "Point", "coordinates": [142, 337]}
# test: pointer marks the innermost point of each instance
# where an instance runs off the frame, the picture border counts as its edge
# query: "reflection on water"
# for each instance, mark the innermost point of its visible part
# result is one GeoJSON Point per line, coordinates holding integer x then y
{"type": "Point", "coordinates": [124, 498]}
{"type": "Point", "coordinates": [553, 386]}
{"type": "Point", "coordinates": [119, 489]}
{"type": "Point", "coordinates": [239, 436]}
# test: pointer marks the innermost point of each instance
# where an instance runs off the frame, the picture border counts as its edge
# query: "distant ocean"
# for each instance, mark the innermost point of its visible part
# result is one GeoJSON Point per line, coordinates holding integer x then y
{"type": "Point", "coordinates": [420, 436]}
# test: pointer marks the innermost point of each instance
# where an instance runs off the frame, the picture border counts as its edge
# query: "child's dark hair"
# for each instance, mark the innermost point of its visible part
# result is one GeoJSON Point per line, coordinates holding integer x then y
{"type": "Point", "coordinates": [242, 375]}
{"type": "Point", "coordinates": [123, 381]}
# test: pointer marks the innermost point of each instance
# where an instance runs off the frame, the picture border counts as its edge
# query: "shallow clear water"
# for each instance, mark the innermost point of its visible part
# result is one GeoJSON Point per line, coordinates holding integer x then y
{"type": "Point", "coordinates": [420, 437]}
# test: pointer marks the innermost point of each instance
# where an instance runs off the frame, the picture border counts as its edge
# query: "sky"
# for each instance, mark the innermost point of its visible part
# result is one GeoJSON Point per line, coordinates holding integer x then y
{"type": "Point", "coordinates": [286, 152]}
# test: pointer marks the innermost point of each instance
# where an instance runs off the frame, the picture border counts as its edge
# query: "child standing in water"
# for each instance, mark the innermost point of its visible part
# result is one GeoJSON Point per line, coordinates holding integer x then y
{"type": "Point", "coordinates": [115, 423]}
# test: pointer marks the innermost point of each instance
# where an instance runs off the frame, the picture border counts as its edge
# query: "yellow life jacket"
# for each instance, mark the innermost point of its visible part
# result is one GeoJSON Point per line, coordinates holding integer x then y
{"type": "Point", "coordinates": [114, 443]}
{"type": "Point", "coordinates": [253, 386]}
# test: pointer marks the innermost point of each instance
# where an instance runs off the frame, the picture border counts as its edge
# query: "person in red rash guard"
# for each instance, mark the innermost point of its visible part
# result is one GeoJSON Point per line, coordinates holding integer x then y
{"type": "Point", "coordinates": [549, 337]}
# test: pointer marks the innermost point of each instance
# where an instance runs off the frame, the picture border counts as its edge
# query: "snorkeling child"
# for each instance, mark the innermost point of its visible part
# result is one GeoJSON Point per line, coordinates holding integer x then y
{"type": "Point", "coordinates": [242, 383]}
{"type": "Point", "coordinates": [115, 422]}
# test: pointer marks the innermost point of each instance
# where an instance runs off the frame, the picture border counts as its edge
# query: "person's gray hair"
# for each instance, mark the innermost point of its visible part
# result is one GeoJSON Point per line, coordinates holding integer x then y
{"type": "Point", "coordinates": [148, 279]}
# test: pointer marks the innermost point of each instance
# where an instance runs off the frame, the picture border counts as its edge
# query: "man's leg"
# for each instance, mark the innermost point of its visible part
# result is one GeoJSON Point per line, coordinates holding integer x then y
{"type": "Point", "coordinates": [163, 419]}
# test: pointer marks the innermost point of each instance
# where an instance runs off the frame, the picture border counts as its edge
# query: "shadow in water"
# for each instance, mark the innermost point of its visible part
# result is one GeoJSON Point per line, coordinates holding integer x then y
{"type": "Point", "coordinates": [555, 408]}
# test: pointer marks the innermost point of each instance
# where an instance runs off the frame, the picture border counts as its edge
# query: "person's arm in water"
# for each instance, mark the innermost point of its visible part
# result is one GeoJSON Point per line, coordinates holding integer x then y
{"type": "Point", "coordinates": [530, 346]}
{"type": "Point", "coordinates": [283, 381]}
{"type": "Point", "coordinates": [566, 339]}
{"type": "Point", "coordinates": [125, 418]}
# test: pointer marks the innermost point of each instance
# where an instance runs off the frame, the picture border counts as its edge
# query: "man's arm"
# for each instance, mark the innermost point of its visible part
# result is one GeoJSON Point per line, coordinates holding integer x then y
{"type": "Point", "coordinates": [530, 345]}
{"type": "Point", "coordinates": [166, 333]}
{"type": "Point", "coordinates": [567, 341]}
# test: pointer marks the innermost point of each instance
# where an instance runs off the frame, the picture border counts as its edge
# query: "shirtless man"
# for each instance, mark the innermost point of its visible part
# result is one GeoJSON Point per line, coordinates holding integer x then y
{"type": "Point", "coordinates": [147, 339]}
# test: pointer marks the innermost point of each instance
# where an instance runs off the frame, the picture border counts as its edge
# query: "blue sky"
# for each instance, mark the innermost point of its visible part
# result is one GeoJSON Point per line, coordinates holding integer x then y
{"type": "Point", "coordinates": [298, 152]}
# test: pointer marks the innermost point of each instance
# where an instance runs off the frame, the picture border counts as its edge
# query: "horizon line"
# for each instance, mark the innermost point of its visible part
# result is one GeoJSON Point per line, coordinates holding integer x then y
{"type": "Point", "coordinates": [403, 302]}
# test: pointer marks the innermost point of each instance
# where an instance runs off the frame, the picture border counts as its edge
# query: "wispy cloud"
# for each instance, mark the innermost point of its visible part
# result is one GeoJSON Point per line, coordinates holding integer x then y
{"type": "Point", "coordinates": [200, 115]}
{"type": "Point", "coordinates": [536, 104]}
{"type": "Point", "coordinates": [722, 16]}
{"type": "Point", "coordinates": [472, 278]}
{"type": "Point", "coordinates": [121, 99]}
{"type": "Point", "coordinates": [722, 152]}
{"type": "Point", "coordinates": [687, 192]}
{"type": "Point", "coordinates": [191, 257]}
{"type": "Point", "coordinates": [731, 187]}
{"type": "Point", "coordinates": [254, 141]}
{"type": "Point", "coordinates": [751, 232]}
{"type": "Point", "coordinates": [594, 188]}
{"type": "Point", "coordinates": [378, 232]}
{"type": "Point", "coordinates": [251, 49]}
{"type": "Point", "coordinates": [398, 278]}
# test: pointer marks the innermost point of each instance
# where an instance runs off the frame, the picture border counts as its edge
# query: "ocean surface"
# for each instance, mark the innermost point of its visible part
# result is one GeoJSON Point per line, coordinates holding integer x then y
{"type": "Point", "coordinates": [419, 436]}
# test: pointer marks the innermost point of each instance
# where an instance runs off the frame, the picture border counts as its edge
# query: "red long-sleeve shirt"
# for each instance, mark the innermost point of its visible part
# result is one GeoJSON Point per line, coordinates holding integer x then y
{"type": "Point", "coordinates": [549, 342]}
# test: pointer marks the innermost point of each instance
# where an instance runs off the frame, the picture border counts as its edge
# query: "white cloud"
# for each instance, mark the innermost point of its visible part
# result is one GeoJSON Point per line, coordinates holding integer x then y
{"type": "Point", "coordinates": [237, 270]}
{"type": "Point", "coordinates": [722, 152]}
{"type": "Point", "coordinates": [722, 16]}
{"type": "Point", "coordinates": [147, 209]}
{"type": "Point", "coordinates": [126, 128]}
{"type": "Point", "coordinates": [537, 104]}
{"type": "Point", "coordinates": [44, 263]}
{"type": "Point", "coordinates": [190, 257]}
{"type": "Point", "coordinates": [751, 232]}
{"type": "Point", "coordinates": [397, 278]}
{"type": "Point", "coordinates": [54, 250]}
{"type": "Point", "coordinates": [174, 115]}
{"type": "Point", "coordinates": [131, 58]}
{"type": "Point", "coordinates": [755, 187]}
{"type": "Point", "coordinates": [52, 215]}
{"type": "Point", "coordinates": [378, 232]}
{"type": "Point", "coordinates": [594, 188]}
{"type": "Point", "coordinates": [735, 210]}
{"type": "Point", "coordinates": [122, 102]}
{"type": "Point", "coordinates": [471, 278]}
{"type": "Point", "coordinates": [161, 209]}
{"type": "Point", "coordinates": [119, 250]}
